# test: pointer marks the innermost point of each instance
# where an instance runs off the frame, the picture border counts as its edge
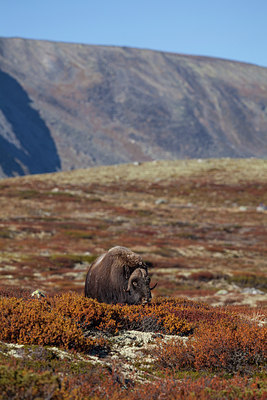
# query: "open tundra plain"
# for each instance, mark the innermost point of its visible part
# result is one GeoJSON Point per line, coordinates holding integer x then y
{"type": "Point", "coordinates": [200, 225]}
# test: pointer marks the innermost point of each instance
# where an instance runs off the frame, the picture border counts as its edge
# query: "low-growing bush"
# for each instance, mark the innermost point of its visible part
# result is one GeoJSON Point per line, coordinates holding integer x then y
{"type": "Point", "coordinates": [203, 276]}
{"type": "Point", "coordinates": [176, 316]}
{"type": "Point", "coordinates": [17, 383]}
{"type": "Point", "coordinates": [66, 382]}
{"type": "Point", "coordinates": [89, 314]}
{"type": "Point", "coordinates": [11, 291]}
{"type": "Point", "coordinates": [70, 314]}
{"type": "Point", "coordinates": [35, 322]}
{"type": "Point", "coordinates": [205, 388]}
{"type": "Point", "coordinates": [229, 346]}
{"type": "Point", "coordinates": [219, 341]}
{"type": "Point", "coordinates": [232, 347]}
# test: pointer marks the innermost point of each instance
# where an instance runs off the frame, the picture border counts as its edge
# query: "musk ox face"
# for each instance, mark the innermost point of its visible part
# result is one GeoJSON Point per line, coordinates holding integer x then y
{"type": "Point", "coordinates": [138, 289]}
{"type": "Point", "coordinates": [118, 276]}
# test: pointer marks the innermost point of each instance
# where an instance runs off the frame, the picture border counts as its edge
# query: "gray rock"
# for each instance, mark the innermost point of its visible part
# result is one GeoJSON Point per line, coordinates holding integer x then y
{"type": "Point", "coordinates": [261, 208]}
{"type": "Point", "coordinates": [252, 291]}
{"type": "Point", "coordinates": [38, 294]}
{"type": "Point", "coordinates": [160, 201]}
{"type": "Point", "coordinates": [222, 292]}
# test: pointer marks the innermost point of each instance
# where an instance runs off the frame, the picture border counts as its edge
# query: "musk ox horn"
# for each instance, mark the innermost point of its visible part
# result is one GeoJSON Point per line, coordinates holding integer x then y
{"type": "Point", "coordinates": [153, 287]}
{"type": "Point", "coordinates": [139, 272]}
{"type": "Point", "coordinates": [129, 285]}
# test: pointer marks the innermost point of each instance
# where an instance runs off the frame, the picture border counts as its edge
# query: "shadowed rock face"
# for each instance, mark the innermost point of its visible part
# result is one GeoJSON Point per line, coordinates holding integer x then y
{"type": "Point", "coordinates": [73, 106]}
{"type": "Point", "coordinates": [30, 147]}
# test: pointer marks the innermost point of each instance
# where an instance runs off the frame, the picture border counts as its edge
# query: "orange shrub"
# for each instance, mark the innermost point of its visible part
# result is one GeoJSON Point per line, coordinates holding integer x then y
{"type": "Point", "coordinates": [88, 314]}
{"type": "Point", "coordinates": [221, 346]}
{"type": "Point", "coordinates": [240, 347]}
{"type": "Point", "coordinates": [175, 354]}
{"type": "Point", "coordinates": [168, 317]}
{"type": "Point", "coordinates": [218, 339]}
{"type": "Point", "coordinates": [35, 322]}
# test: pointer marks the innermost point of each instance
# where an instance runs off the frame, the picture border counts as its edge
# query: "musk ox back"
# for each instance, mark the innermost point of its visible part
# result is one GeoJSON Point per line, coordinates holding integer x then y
{"type": "Point", "coordinates": [118, 276]}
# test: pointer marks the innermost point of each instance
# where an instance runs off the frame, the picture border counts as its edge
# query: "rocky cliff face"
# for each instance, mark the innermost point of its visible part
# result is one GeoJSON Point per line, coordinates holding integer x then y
{"type": "Point", "coordinates": [67, 106]}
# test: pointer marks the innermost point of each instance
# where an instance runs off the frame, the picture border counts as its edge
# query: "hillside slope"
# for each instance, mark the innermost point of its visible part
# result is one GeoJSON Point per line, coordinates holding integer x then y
{"type": "Point", "coordinates": [67, 106]}
{"type": "Point", "coordinates": [198, 225]}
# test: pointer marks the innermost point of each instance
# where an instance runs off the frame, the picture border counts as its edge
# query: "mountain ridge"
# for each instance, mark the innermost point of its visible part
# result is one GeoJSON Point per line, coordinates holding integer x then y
{"type": "Point", "coordinates": [199, 56]}
{"type": "Point", "coordinates": [102, 105]}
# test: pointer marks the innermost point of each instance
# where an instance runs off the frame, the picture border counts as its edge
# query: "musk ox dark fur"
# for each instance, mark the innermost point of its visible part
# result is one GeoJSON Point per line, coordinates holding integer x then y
{"type": "Point", "coordinates": [118, 276]}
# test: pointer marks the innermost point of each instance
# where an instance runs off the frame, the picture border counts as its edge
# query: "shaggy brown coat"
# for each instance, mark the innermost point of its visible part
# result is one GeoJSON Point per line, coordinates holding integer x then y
{"type": "Point", "coordinates": [118, 276]}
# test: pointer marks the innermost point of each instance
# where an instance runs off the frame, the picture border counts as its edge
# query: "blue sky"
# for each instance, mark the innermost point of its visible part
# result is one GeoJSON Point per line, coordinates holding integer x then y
{"type": "Point", "coordinates": [231, 29]}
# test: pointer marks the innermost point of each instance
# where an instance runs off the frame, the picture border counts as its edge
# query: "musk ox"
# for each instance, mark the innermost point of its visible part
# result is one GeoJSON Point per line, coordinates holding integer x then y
{"type": "Point", "coordinates": [118, 276]}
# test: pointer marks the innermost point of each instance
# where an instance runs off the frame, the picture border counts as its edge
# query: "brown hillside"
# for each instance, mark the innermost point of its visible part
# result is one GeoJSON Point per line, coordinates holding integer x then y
{"type": "Point", "coordinates": [67, 106]}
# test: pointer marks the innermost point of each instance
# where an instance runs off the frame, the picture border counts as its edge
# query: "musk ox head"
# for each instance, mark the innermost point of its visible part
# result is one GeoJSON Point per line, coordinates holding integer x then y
{"type": "Point", "coordinates": [138, 288]}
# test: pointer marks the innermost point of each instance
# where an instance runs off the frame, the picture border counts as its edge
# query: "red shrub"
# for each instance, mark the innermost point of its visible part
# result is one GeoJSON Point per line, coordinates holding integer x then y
{"type": "Point", "coordinates": [204, 276]}
{"type": "Point", "coordinates": [220, 346]}
{"type": "Point", "coordinates": [230, 347]}
{"type": "Point", "coordinates": [206, 388]}
{"type": "Point", "coordinates": [11, 291]}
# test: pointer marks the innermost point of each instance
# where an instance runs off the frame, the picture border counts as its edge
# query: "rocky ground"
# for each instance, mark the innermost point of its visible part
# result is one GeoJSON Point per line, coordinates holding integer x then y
{"type": "Point", "coordinates": [132, 354]}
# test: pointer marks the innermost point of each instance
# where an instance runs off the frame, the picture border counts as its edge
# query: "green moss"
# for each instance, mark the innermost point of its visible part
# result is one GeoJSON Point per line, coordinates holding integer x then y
{"type": "Point", "coordinates": [28, 194]}
{"type": "Point", "coordinates": [192, 374]}
{"type": "Point", "coordinates": [144, 213]}
{"type": "Point", "coordinates": [146, 367]}
{"type": "Point", "coordinates": [5, 234]}
{"type": "Point", "coordinates": [234, 392]}
{"type": "Point", "coordinates": [37, 358]}
{"type": "Point", "coordinates": [80, 367]}
{"type": "Point", "coordinates": [71, 259]}
{"type": "Point", "coordinates": [60, 194]}
{"type": "Point", "coordinates": [21, 383]}
{"type": "Point", "coordinates": [249, 280]}
{"type": "Point", "coordinates": [164, 251]}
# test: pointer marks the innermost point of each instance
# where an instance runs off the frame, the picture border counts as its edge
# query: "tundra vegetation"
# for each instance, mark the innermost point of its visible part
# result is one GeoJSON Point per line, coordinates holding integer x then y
{"type": "Point", "coordinates": [200, 226]}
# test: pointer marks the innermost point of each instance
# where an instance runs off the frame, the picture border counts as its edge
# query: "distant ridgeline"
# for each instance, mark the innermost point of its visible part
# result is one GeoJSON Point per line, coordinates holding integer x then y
{"type": "Point", "coordinates": [67, 106]}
